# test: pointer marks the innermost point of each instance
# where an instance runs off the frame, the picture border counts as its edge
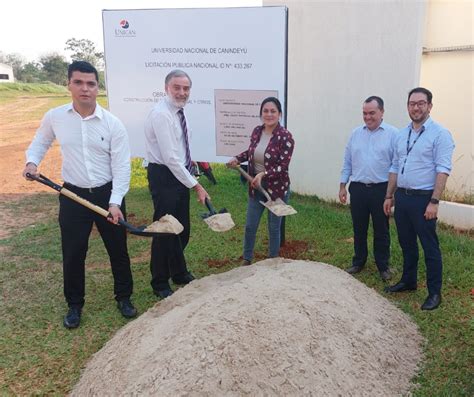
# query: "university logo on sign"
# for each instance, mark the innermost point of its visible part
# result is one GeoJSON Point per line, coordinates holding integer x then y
{"type": "Point", "coordinates": [124, 29]}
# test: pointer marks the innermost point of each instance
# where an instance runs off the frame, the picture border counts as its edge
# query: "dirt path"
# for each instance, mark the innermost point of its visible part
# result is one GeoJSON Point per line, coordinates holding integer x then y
{"type": "Point", "coordinates": [19, 120]}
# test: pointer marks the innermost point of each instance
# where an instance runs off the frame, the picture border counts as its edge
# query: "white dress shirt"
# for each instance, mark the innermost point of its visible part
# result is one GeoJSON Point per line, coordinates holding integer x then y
{"type": "Point", "coordinates": [95, 149]}
{"type": "Point", "coordinates": [165, 142]}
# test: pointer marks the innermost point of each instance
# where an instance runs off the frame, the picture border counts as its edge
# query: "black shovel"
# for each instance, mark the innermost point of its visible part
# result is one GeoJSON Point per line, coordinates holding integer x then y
{"type": "Point", "coordinates": [139, 231]}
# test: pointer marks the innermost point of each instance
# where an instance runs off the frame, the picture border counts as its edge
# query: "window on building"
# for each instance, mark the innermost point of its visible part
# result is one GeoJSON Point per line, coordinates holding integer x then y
{"type": "Point", "coordinates": [4, 77]}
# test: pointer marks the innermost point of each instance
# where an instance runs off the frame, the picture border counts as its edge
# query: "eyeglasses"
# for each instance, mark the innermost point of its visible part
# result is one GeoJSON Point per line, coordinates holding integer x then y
{"type": "Point", "coordinates": [420, 104]}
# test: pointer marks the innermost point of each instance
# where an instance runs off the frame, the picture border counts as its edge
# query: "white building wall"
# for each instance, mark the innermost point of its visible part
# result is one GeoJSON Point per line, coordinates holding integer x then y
{"type": "Point", "coordinates": [450, 76]}
{"type": "Point", "coordinates": [6, 69]}
{"type": "Point", "coordinates": [341, 52]}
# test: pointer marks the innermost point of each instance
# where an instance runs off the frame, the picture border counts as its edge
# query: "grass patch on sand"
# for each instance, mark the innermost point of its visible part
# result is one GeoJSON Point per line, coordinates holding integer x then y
{"type": "Point", "coordinates": [39, 356]}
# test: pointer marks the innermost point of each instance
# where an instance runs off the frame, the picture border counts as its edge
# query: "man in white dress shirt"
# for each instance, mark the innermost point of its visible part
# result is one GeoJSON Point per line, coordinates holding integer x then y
{"type": "Point", "coordinates": [96, 166]}
{"type": "Point", "coordinates": [167, 138]}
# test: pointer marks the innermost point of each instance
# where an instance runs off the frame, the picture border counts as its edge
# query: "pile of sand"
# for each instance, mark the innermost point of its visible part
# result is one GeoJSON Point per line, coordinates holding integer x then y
{"type": "Point", "coordinates": [279, 327]}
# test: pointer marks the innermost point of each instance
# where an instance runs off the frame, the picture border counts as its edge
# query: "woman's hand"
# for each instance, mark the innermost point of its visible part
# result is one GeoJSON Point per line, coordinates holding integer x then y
{"type": "Point", "coordinates": [257, 181]}
{"type": "Point", "coordinates": [232, 163]}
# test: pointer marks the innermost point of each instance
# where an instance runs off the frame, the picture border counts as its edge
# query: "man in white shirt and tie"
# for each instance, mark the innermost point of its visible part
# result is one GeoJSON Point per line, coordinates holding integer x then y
{"type": "Point", "coordinates": [96, 166]}
{"type": "Point", "coordinates": [167, 138]}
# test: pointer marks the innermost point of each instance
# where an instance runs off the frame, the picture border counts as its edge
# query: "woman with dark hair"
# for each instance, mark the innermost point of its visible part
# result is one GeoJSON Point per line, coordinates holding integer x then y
{"type": "Point", "coordinates": [268, 156]}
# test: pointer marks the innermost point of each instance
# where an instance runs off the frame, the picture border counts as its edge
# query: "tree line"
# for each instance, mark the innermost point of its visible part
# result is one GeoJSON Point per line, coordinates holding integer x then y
{"type": "Point", "coordinates": [52, 67]}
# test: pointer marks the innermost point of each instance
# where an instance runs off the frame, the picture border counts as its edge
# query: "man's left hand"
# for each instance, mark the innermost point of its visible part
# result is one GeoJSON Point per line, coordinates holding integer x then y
{"type": "Point", "coordinates": [116, 214]}
{"type": "Point", "coordinates": [431, 211]}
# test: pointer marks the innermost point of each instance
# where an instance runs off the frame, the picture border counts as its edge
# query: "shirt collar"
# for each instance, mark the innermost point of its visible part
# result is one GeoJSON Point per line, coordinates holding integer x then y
{"type": "Point", "coordinates": [425, 125]}
{"type": "Point", "coordinates": [382, 126]}
{"type": "Point", "coordinates": [98, 112]}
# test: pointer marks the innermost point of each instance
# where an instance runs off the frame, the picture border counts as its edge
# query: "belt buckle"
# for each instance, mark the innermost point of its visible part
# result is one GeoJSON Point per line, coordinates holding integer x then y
{"type": "Point", "coordinates": [91, 189]}
{"type": "Point", "coordinates": [368, 184]}
{"type": "Point", "coordinates": [409, 192]}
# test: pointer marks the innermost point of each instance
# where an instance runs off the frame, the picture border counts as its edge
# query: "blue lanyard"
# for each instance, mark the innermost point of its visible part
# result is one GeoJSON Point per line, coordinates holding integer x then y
{"type": "Point", "coordinates": [409, 148]}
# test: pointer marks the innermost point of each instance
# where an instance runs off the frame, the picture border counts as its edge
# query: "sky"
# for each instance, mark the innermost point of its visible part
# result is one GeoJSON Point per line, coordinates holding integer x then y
{"type": "Point", "coordinates": [34, 28]}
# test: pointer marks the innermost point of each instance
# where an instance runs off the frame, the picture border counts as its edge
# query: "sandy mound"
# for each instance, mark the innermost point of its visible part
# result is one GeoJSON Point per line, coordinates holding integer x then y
{"type": "Point", "coordinates": [276, 328]}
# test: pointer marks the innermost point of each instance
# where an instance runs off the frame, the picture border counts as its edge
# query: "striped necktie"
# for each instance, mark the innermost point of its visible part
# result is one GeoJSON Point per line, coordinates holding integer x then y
{"type": "Point", "coordinates": [188, 164]}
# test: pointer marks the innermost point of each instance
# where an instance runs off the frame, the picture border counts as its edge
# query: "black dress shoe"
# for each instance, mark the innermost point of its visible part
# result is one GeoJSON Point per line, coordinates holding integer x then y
{"type": "Point", "coordinates": [432, 302]}
{"type": "Point", "coordinates": [163, 293]}
{"type": "Point", "coordinates": [183, 279]}
{"type": "Point", "coordinates": [245, 262]}
{"type": "Point", "coordinates": [386, 275]}
{"type": "Point", "coordinates": [354, 269]}
{"type": "Point", "coordinates": [126, 308]}
{"type": "Point", "coordinates": [400, 287]}
{"type": "Point", "coordinates": [73, 318]}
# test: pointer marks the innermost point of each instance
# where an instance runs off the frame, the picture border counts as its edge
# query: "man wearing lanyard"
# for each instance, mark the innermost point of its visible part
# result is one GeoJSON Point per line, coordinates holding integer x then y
{"type": "Point", "coordinates": [169, 177]}
{"type": "Point", "coordinates": [420, 169]}
{"type": "Point", "coordinates": [96, 166]}
{"type": "Point", "coordinates": [367, 160]}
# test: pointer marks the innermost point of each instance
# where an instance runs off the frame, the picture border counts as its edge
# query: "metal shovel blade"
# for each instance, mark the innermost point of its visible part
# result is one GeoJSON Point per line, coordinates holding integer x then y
{"type": "Point", "coordinates": [217, 221]}
{"type": "Point", "coordinates": [279, 207]}
{"type": "Point", "coordinates": [220, 222]}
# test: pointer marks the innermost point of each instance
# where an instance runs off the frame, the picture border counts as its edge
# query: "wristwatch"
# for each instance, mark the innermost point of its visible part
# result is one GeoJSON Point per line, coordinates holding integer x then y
{"type": "Point", "coordinates": [434, 201]}
{"type": "Point", "coordinates": [114, 205]}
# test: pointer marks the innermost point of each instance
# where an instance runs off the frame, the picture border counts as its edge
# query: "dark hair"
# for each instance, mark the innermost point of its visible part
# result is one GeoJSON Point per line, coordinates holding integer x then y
{"type": "Point", "coordinates": [83, 67]}
{"type": "Point", "coordinates": [421, 90]}
{"type": "Point", "coordinates": [376, 99]}
{"type": "Point", "coordinates": [270, 99]}
{"type": "Point", "coordinates": [177, 73]}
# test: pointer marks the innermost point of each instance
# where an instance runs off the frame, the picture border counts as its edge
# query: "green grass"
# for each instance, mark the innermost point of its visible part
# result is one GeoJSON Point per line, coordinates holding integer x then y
{"type": "Point", "coordinates": [38, 356]}
{"type": "Point", "coordinates": [12, 89]}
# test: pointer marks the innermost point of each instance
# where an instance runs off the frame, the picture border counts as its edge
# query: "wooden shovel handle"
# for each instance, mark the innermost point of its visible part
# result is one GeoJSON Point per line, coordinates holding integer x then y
{"type": "Point", "coordinates": [85, 203]}
{"type": "Point", "coordinates": [249, 178]}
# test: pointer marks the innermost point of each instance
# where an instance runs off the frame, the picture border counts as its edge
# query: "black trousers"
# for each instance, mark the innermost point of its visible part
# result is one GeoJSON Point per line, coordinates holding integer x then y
{"type": "Point", "coordinates": [411, 223]}
{"type": "Point", "coordinates": [367, 201]}
{"type": "Point", "coordinates": [169, 196]}
{"type": "Point", "coordinates": [76, 222]}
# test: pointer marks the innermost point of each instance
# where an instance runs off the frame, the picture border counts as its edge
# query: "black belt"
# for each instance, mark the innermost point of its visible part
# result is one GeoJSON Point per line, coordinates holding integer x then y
{"type": "Point", "coordinates": [415, 192]}
{"type": "Point", "coordinates": [369, 184]}
{"type": "Point", "coordinates": [157, 165]}
{"type": "Point", "coordinates": [74, 188]}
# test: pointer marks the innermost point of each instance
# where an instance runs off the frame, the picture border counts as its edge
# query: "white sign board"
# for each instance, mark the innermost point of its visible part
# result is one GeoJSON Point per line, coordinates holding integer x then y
{"type": "Point", "coordinates": [220, 49]}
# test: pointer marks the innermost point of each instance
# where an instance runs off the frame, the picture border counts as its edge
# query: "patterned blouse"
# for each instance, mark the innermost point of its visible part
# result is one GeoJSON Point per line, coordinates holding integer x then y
{"type": "Point", "coordinates": [277, 160]}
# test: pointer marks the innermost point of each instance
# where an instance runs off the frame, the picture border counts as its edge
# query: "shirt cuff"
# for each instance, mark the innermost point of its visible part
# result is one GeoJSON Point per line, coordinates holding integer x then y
{"type": "Point", "coordinates": [116, 199]}
{"type": "Point", "coordinates": [442, 170]}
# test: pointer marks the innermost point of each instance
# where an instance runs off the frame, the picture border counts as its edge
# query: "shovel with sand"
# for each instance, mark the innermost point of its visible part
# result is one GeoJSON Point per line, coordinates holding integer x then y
{"type": "Point", "coordinates": [217, 221]}
{"type": "Point", "coordinates": [278, 206]}
{"type": "Point", "coordinates": [166, 225]}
